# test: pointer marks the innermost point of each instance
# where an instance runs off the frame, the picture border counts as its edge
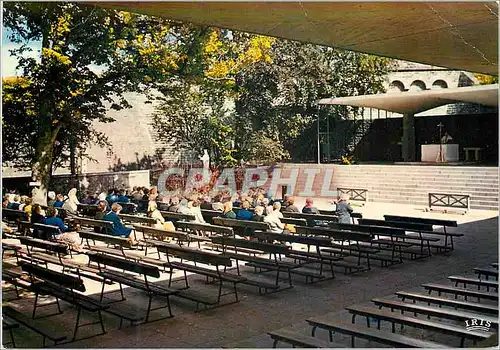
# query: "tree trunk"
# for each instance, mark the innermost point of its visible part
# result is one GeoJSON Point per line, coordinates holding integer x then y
{"type": "Point", "coordinates": [72, 160]}
{"type": "Point", "coordinates": [42, 168]}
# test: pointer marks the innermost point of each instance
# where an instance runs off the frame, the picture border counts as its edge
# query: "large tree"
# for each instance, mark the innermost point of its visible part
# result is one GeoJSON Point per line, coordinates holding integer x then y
{"type": "Point", "coordinates": [49, 111]}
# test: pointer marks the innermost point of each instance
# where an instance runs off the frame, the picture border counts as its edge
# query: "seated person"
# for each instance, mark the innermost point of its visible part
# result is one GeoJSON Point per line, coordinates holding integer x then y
{"type": "Point", "coordinates": [102, 209]}
{"type": "Point", "coordinates": [289, 205]}
{"type": "Point", "coordinates": [122, 198]}
{"type": "Point", "coordinates": [275, 224]}
{"type": "Point", "coordinates": [244, 213]}
{"type": "Point", "coordinates": [27, 205]}
{"type": "Point", "coordinates": [309, 208]}
{"type": "Point", "coordinates": [196, 210]}
{"type": "Point", "coordinates": [228, 211]}
{"type": "Point", "coordinates": [59, 201]}
{"type": "Point", "coordinates": [52, 198]}
{"type": "Point", "coordinates": [118, 228]}
{"type": "Point", "coordinates": [343, 210]}
{"type": "Point", "coordinates": [277, 210]}
{"type": "Point", "coordinates": [259, 214]}
{"type": "Point", "coordinates": [36, 215]}
{"type": "Point", "coordinates": [72, 238]}
{"type": "Point", "coordinates": [174, 206]}
{"type": "Point", "coordinates": [217, 204]}
{"type": "Point", "coordinates": [16, 203]}
{"type": "Point", "coordinates": [206, 204]}
{"type": "Point", "coordinates": [5, 202]}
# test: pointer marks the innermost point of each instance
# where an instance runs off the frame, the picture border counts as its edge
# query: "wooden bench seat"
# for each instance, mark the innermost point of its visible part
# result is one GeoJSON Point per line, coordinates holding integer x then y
{"type": "Point", "coordinates": [297, 339]}
{"type": "Point", "coordinates": [397, 318]}
{"type": "Point", "coordinates": [433, 311]}
{"type": "Point", "coordinates": [474, 281]}
{"type": "Point", "coordinates": [366, 252]}
{"type": "Point", "coordinates": [372, 334]}
{"type": "Point", "coordinates": [478, 307]}
{"type": "Point", "coordinates": [128, 278]}
{"type": "Point", "coordinates": [441, 288]}
{"type": "Point", "coordinates": [43, 329]}
{"type": "Point", "coordinates": [486, 271]}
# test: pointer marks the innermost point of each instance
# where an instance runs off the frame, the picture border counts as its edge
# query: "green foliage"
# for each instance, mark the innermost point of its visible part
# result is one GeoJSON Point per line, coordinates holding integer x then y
{"type": "Point", "coordinates": [64, 96]}
{"type": "Point", "coordinates": [485, 79]}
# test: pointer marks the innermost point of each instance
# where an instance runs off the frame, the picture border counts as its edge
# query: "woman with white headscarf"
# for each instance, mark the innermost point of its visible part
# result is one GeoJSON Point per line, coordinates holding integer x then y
{"type": "Point", "coordinates": [71, 204]}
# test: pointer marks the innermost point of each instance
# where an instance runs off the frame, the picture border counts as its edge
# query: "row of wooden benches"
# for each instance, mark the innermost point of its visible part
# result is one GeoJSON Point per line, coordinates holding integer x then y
{"type": "Point", "coordinates": [449, 309]}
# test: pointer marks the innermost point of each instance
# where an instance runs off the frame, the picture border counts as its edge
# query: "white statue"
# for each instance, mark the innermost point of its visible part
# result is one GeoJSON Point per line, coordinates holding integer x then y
{"type": "Point", "coordinates": [205, 159]}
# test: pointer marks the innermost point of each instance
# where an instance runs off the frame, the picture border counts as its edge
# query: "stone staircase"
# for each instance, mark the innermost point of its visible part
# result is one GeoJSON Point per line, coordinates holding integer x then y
{"type": "Point", "coordinates": [410, 184]}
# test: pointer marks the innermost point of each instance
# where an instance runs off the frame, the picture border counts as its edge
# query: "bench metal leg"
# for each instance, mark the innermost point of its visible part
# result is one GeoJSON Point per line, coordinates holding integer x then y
{"type": "Point", "coordinates": [313, 331]}
{"type": "Point", "coordinates": [275, 343]}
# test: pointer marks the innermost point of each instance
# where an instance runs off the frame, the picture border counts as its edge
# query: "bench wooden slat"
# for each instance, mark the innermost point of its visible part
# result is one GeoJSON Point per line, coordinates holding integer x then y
{"type": "Point", "coordinates": [432, 311]}
{"type": "Point", "coordinates": [474, 281]}
{"type": "Point", "coordinates": [460, 291]}
{"type": "Point", "coordinates": [392, 339]}
{"type": "Point", "coordinates": [479, 307]}
{"type": "Point", "coordinates": [43, 329]}
{"type": "Point", "coordinates": [427, 221]}
{"type": "Point", "coordinates": [297, 339]}
{"type": "Point", "coordinates": [405, 320]}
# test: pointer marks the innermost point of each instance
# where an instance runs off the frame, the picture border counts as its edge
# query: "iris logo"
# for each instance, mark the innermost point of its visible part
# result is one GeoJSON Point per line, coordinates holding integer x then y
{"type": "Point", "coordinates": [475, 324]}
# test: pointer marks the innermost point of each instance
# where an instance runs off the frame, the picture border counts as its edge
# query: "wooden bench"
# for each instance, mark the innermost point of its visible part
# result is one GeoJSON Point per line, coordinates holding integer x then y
{"type": "Point", "coordinates": [272, 263]}
{"type": "Point", "coordinates": [474, 281]}
{"type": "Point", "coordinates": [199, 257]}
{"type": "Point", "coordinates": [449, 200]}
{"type": "Point", "coordinates": [433, 311]}
{"type": "Point", "coordinates": [43, 329]}
{"type": "Point", "coordinates": [421, 242]}
{"type": "Point", "coordinates": [88, 210]}
{"type": "Point", "coordinates": [8, 325]}
{"type": "Point", "coordinates": [388, 338]}
{"type": "Point", "coordinates": [448, 241]}
{"type": "Point", "coordinates": [128, 207]}
{"type": "Point", "coordinates": [353, 249]}
{"type": "Point", "coordinates": [441, 288]}
{"type": "Point", "coordinates": [137, 219]}
{"type": "Point", "coordinates": [153, 235]}
{"type": "Point", "coordinates": [65, 287]}
{"type": "Point", "coordinates": [204, 230]}
{"type": "Point", "coordinates": [242, 227]}
{"type": "Point", "coordinates": [396, 318]}
{"type": "Point", "coordinates": [306, 257]}
{"type": "Point", "coordinates": [99, 226]}
{"type": "Point", "coordinates": [294, 221]}
{"type": "Point", "coordinates": [487, 272]}
{"type": "Point", "coordinates": [458, 304]}
{"type": "Point", "coordinates": [59, 252]}
{"type": "Point", "coordinates": [12, 216]}
{"type": "Point", "coordinates": [297, 339]}
{"type": "Point", "coordinates": [312, 219]}
{"type": "Point", "coordinates": [209, 215]}
{"type": "Point", "coordinates": [355, 194]}
{"type": "Point", "coordinates": [129, 278]}
{"type": "Point", "coordinates": [177, 216]}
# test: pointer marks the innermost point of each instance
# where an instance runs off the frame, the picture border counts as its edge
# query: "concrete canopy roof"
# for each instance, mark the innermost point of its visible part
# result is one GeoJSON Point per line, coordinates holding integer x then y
{"type": "Point", "coordinates": [457, 35]}
{"type": "Point", "coordinates": [419, 101]}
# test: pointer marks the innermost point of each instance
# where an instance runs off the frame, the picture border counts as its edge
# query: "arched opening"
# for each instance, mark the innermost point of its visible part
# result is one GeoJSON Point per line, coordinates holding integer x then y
{"type": "Point", "coordinates": [417, 85]}
{"type": "Point", "coordinates": [439, 84]}
{"type": "Point", "coordinates": [396, 86]}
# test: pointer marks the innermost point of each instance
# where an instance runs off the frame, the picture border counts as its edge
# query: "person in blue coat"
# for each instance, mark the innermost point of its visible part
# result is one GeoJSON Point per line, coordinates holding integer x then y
{"type": "Point", "coordinates": [122, 198]}
{"type": "Point", "coordinates": [53, 220]}
{"type": "Point", "coordinates": [118, 228]}
{"type": "Point", "coordinates": [244, 213]}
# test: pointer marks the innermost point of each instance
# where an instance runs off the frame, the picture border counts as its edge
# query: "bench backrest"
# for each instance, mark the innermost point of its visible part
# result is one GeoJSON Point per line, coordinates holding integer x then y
{"type": "Point", "coordinates": [87, 209]}
{"type": "Point", "coordinates": [314, 241]}
{"type": "Point", "coordinates": [336, 234]}
{"type": "Point", "coordinates": [426, 221]}
{"type": "Point", "coordinates": [194, 255]}
{"type": "Point", "coordinates": [106, 225]}
{"type": "Point", "coordinates": [294, 221]}
{"type": "Point", "coordinates": [14, 215]}
{"type": "Point", "coordinates": [411, 226]}
{"type": "Point", "coordinates": [308, 217]}
{"type": "Point", "coordinates": [197, 227]}
{"type": "Point", "coordinates": [52, 276]}
{"type": "Point", "coordinates": [138, 219]}
{"type": "Point", "coordinates": [24, 227]}
{"type": "Point", "coordinates": [58, 248]}
{"type": "Point", "coordinates": [123, 264]}
{"type": "Point", "coordinates": [109, 239]}
{"type": "Point", "coordinates": [376, 230]}
{"type": "Point", "coordinates": [46, 231]}
{"type": "Point", "coordinates": [176, 216]}
{"type": "Point", "coordinates": [243, 243]}
{"type": "Point", "coordinates": [128, 208]}
{"type": "Point", "coordinates": [255, 225]}
{"type": "Point", "coordinates": [208, 215]}
{"type": "Point", "coordinates": [151, 231]}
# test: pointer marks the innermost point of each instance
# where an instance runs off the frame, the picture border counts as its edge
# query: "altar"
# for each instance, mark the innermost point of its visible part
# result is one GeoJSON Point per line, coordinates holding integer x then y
{"type": "Point", "coordinates": [430, 153]}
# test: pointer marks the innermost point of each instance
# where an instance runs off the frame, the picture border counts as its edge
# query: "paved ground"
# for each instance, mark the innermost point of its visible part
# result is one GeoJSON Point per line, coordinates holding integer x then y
{"type": "Point", "coordinates": [245, 324]}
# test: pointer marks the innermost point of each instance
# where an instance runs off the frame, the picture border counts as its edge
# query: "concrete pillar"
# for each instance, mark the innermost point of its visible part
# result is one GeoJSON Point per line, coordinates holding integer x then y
{"type": "Point", "coordinates": [409, 138]}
